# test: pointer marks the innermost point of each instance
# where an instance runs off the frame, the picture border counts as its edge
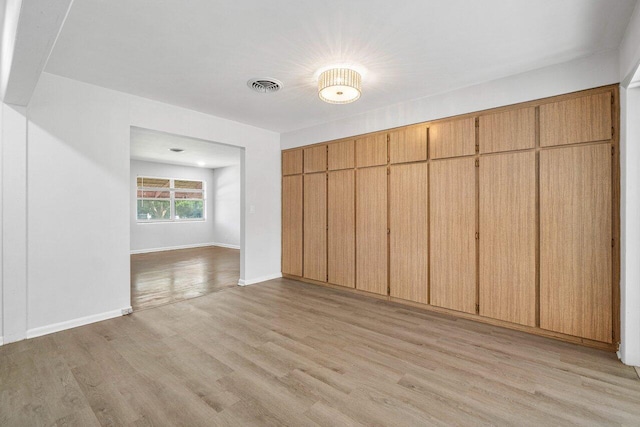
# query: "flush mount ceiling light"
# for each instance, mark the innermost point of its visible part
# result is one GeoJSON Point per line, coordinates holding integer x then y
{"type": "Point", "coordinates": [339, 85]}
{"type": "Point", "coordinates": [176, 150]}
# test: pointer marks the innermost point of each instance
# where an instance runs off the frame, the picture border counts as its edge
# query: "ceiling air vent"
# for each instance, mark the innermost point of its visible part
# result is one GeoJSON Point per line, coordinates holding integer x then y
{"type": "Point", "coordinates": [265, 85]}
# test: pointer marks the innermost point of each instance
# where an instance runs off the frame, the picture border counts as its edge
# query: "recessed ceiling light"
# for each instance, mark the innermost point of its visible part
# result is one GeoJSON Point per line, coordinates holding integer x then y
{"type": "Point", "coordinates": [176, 150]}
{"type": "Point", "coordinates": [201, 163]}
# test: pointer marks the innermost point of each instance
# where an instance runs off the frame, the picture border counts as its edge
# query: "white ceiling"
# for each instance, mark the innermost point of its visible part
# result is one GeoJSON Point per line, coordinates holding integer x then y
{"type": "Point", "coordinates": [153, 146]}
{"type": "Point", "coordinates": [199, 54]}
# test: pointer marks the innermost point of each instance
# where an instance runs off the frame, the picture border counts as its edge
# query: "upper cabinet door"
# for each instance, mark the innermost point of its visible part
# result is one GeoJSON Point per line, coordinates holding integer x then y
{"type": "Point", "coordinates": [371, 151]}
{"type": "Point", "coordinates": [583, 119]}
{"type": "Point", "coordinates": [292, 162]}
{"type": "Point", "coordinates": [315, 159]}
{"type": "Point", "coordinates": [454, 138]}
{"type": "Point", "coordinates": [408, 145]}
{"type": "Point", "coordinates": [508, 131]}
{"type": "Point", "coordinates": [342, 155]}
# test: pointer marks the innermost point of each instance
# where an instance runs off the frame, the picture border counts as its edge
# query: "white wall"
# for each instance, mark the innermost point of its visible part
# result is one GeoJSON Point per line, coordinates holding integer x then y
{"type": "Point", "coordinates": [630, 226]}
{"type": "Point", "coordinates": [630, 194]}
{"type": "Point", "coordinates": [78, 204]}
{"type": "Point", "coordinates": [583, 73]}
{"type": "Point", "coordinates": [147, 237]}
{"type": "Point", "coordinates": [14, 222]}
{"type": "Point", "coordinates": [629, 56]}
{"type": "Point", "coordinates": [76, 169]}
{"type": "Point", "coordinates": [226, 210]}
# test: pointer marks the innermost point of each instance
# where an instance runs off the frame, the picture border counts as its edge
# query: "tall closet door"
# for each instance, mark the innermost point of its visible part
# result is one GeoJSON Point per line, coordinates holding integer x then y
{"type": "Point", "coordinates": [371, 230]}
{"type": "Point", "coordinates": [315, 226]}
{"type": "Point", "coordinates": [292, 225]}
{"type": "Point", "coordinates": [508, 237]}
{"type": "Point", "coordinates": [342, 228]}
{"type": "Point", "coordinates": [408, 208]}
{"type": "Point", "coordinates": [452, 216]}
{"type": "Point", "coordinates": [575, 241]}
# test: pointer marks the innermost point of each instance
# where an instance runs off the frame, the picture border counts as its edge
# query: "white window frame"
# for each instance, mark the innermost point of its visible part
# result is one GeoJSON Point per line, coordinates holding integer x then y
{"type": "Point", "coordinates": [172, 199]}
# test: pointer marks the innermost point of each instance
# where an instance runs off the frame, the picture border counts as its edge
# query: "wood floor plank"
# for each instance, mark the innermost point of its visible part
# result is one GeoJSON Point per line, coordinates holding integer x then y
{"type": "Point", "coordinates": [289, 353]}
{"type": "Point", "coordinates": [159, 278]}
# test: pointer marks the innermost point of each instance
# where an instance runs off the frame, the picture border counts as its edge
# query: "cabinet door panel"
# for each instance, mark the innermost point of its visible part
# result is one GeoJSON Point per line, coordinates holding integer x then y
{"type": "Point", "coordinates": [454, 138]}
{"type": "Point", "coordinates": [342, 228]}
{"type": "Point", "coordinates": [371, 230]}
{"type": "Point", "coordinates": [508, 237]}
{"type": "Point", "coordinates": [408, 145]}
{"type": "Point", "coordinates": [452, 192]}
{"type": "Point", "coordinates": [315, 226]}
{"type": "Point", "coordinates": [315, 159]}
{"type": "Point", "coordinates": [341, 155]}
{"type": "Point", "coordinates": [583, 119]}
{"type": "Point", "coordinates": [507, 131]}
{"type": "Point", "coordinates": [408, 209]}
{"type": "Point", "coordinates": [291, 162]}
{"type": "Point", "coordinates": [371, 151]}
{"type": "Point", "coordinates": [575, 241]}
{"type": "Point", "coordinates": [292, 224]}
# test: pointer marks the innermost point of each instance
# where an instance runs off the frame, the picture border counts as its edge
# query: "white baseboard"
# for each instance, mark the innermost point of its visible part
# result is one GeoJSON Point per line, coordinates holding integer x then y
{"type": "Point", "coordinates": [74, 323]}
{"type": "Point", "coordinates": [225, 245]}
{"type": "Point", "coordinates": [248, 282]}
{"type": "Point", "coordinates": [171, 248]}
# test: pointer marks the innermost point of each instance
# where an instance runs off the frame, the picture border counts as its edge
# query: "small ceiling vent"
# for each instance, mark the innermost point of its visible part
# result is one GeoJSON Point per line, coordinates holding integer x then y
{"type": "Point", "coordinates": [265, 85]}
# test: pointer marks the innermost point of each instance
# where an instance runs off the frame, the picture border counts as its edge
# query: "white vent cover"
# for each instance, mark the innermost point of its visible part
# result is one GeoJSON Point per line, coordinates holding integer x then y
{"type": "Point", "coordinates": [265, 85]}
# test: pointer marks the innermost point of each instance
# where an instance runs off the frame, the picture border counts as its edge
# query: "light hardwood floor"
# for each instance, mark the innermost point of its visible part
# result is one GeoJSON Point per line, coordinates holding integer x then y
{"type": "Point", "coordinates": [288, 353]}
{"type": "Point", "coordinates": [159, 278]}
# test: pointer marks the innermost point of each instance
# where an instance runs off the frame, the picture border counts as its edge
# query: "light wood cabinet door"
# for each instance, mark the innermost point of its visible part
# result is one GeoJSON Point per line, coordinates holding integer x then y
{"type": "Point", "coordinates": [292, 225]}
{"type": "Point", "coordinates": [341, 155]}
{"type": "Point", "coordinates": [342, 228]}
{"type": "Point", "coordinates": [454, 138]}
{"type": "Point", "coordinates": [371, 230]}
{"type": "Point", "coordinates": [315, 159]}
{"type": "Point", "coordinates": [291, 162]}
{"type": "Point", "coordinates": [507, 131]}
{"type": "Point", "coordinates": [583, 119]}
{"type": "Point", "coordinates": [408, 145]}
{"type": "Point", "coordinates": [452, 218]}
{"type": "Point", "coordinates": [371, 151]}
{"type": "Point", "coordinates": [575, 241]}
{"type": "Point", "coordinates": [315, 226]}
{"type": "Point", "coordinates": [409, 239]}
{"type": "Point", "coordinates": [507, 282]}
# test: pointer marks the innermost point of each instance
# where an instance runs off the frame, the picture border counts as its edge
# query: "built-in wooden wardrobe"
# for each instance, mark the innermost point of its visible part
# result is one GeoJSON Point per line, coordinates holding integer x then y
{"type": "Point", "coordinates": [507, 216]}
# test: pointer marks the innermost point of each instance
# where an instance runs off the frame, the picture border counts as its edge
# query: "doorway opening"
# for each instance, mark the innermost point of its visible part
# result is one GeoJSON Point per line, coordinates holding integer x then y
{"type": "Point", "coordinates": [185, 216]}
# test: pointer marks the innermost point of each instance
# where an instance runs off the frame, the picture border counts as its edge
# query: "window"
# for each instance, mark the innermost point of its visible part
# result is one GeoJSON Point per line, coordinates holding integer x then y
{"type": "Point", "coordinates": [165, 199]}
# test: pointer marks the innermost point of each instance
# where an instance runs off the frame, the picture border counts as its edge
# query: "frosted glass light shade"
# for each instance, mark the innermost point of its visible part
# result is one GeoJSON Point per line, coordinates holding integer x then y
{"type": "Point", "coordinates": [339, 85]}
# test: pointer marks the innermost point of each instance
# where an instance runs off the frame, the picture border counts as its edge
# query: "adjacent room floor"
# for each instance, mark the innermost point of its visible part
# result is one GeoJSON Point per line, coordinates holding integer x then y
{"type": "Point", "coordinates": [159, 278]}
{"type": "Point", "coordinates": [289, 353]}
